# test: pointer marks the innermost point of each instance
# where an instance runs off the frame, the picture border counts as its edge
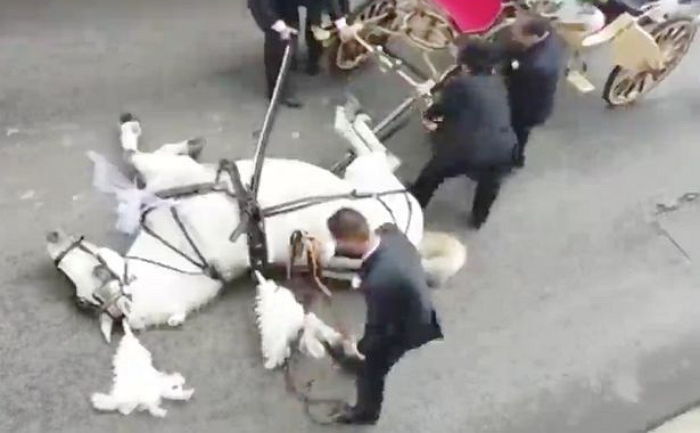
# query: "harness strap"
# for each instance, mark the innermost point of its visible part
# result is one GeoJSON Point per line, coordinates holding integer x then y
{"type": "Point", "coordinates": [163, 265]}
{"type": "Point", "coordinates": [75, 244]}
{"type": "Point", "coordinates": [178, 221]}
{"type": "Point", "coordinates": [202, 266]}
{"type": "Point", "coordinates": [296, 242]}
{"type": "Point", "coordinates": [306, 202]}
{"type": "Point", "coordinates": [189, 190]}
{"type": "Point", "coordinates": [409, 219]}
{"type": "Point", "coordinates": [388, 209]}
{"type": "Point", "coordinates": [252, 220]}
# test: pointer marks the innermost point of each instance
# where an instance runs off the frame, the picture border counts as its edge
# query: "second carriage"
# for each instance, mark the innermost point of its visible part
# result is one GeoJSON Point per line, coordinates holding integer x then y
{"type": "Point", "coordinates": [648, 38]}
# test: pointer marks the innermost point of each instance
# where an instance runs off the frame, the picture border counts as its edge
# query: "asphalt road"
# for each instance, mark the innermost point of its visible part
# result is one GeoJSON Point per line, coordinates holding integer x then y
{"type": "Point", "coordinates": [575, 313]}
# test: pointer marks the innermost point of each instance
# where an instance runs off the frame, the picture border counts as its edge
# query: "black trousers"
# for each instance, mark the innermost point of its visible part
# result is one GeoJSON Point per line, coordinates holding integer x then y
{"type": "Point", "coordinates": [371, 378]}
{"type": "Point", "coordinates": [315, 48]}
{"type": "Point", "coordinates": [440, 168]}
{"type": "Point", "coordinates": [522, 129]}
{"type": "Point", "coordinates": [273, 56]}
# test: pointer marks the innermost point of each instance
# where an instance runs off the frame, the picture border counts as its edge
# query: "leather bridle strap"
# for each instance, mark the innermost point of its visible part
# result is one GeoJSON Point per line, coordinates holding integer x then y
{"type": "Point", "coordinates": [78, 243]}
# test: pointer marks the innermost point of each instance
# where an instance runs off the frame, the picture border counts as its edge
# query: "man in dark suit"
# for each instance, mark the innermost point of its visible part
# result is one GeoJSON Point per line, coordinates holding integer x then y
{"type": "Point", "coordinates": [279, 20]}
{"type": "Point", "coordinates": [532, 74]}
{"type": "Point", "coordinates": [400, 313]}
{"type": "Point", "coordinates": [472, 134]}
{"type": "Point", "coordinates": [336, 10]}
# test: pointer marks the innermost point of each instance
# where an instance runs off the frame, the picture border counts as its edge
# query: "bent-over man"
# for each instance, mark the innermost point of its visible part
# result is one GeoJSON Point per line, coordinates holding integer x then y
{"type": "Point", "coordinates": [531, 75]}
{"type": "Point", "coordinates": [472, 132]}
{"type": "Point", "coordinates": [400, 313]}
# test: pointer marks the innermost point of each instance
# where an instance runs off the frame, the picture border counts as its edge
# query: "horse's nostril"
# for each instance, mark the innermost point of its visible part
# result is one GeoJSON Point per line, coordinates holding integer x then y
{"type": "Point", "coordinates": [52, 237]}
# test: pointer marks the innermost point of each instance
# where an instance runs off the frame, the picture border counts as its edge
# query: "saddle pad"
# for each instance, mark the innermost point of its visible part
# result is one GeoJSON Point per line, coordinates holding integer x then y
{"type": "Point", "coordinates": [471, 16]}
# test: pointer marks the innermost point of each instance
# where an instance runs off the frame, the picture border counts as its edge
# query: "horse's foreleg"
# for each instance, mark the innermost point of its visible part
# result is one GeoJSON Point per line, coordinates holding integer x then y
{"type": "Point", "coordinates": [344, 127]}
{"type": "Point", "coordinates": [362, 128]}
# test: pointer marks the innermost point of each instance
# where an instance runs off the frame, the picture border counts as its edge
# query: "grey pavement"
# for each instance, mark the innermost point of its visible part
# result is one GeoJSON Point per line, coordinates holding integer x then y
{"type": "Point", "coordinates": [577, 311]}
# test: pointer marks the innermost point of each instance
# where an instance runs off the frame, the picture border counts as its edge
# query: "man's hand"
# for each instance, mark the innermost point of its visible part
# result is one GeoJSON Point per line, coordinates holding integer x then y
{"type": "Point", "coordinates": [345, 31]}
{"type": "Point", "coordinates": [350, 348]}
{"type": "Point", "coordinates": [429, 124]}
{"type": "Point", "coordinates": [284, 30]}
{"type": "Point", "coordinates": [425, 88]}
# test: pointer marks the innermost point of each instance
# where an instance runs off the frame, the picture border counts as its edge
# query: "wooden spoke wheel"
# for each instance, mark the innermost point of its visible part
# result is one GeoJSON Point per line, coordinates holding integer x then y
{"type": "Point", "coordinates": [429, 30]}
{"type": "Point", "coordinates": [375, 17]}
{"type": "Point", "coordinates": [674, 38]}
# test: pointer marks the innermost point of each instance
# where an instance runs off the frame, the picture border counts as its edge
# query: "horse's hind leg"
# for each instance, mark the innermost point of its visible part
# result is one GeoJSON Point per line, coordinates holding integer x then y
{"type": "Point", "coordinates": [192, 147]}
{"type": "Point", "coordinates": [130, 132]}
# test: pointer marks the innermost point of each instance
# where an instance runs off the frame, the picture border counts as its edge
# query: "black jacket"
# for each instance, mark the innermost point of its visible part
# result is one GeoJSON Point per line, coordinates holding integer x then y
{"type": "Point", "coordinates": [266, 12]}
{"type": "Point", "coordinates": [476, 127]}
{"type": "Point", "coordinates": [400, 313]}
{"type": "Point", "coordinates": [533, 84]}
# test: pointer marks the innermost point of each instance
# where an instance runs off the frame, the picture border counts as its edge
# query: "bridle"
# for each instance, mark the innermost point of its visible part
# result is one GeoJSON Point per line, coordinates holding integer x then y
{"type": "Point", "coordinates": [105, 297]}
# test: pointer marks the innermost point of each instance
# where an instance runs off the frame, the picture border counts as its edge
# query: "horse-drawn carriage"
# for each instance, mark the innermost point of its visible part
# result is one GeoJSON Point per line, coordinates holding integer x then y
{"type": "Point", "coordinates": [648, 38]}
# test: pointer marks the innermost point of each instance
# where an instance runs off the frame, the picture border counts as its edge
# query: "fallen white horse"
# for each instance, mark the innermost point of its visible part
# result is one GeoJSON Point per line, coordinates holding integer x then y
{"type": "Point", "coordinates": [182, 253]}
{"type": "Point", "coordinates": [137, 383]}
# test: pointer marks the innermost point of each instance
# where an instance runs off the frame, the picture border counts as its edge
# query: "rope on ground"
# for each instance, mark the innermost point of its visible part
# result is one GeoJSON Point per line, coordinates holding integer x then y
{"type": "Point", "coordinates": [307, 401]}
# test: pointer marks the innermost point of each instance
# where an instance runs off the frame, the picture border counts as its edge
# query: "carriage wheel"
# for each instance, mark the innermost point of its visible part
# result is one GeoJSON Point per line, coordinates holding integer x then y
{"type": "Point", "coordinates": [429, 30]}
{"type": "Point", "coordinates": [674, 38]}
{"type": "Point", "coordinates": [346, 56]}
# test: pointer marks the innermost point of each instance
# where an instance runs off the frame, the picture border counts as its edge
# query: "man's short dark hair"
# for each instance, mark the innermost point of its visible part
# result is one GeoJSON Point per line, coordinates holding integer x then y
{"type": "Point", "coordinates": [479, 55]}
{"type": "Point", "coordinates": [348, 224]}
{"type": "Point", "coordinates": [536, 26]}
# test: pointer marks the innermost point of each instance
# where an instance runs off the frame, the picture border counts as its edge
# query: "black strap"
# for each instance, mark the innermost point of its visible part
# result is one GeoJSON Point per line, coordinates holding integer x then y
{"type": "Point", "coordinates": [161, 265]}
{"type": "Point", "coordinates": [306, 202]}
{"type": "Point", "coordinates": [178, 221]}
{"type": "Point", "coordinates": [252, 220]}
{"type": "Point", "coordinates": [144, 226]}
{"type": "Point", "coordinates": [78, 243]}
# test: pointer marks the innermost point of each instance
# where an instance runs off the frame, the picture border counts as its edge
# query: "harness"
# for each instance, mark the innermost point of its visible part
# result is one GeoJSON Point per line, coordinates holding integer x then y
{"type": "Point", "coordinates": [251, 217]}
{"type": "Point", "coordinates": [104, 297]}
{"type": "Point", "coordinates": [199, 262]}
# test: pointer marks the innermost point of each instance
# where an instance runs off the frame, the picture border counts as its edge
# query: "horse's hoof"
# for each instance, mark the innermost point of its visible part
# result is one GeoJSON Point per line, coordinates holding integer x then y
{"type": "Point", "coordinates": [176, 320]}
{"type": "Point", "coordinates": [195, 147]}
{"type": "Point", "coordinates": [127, 117]}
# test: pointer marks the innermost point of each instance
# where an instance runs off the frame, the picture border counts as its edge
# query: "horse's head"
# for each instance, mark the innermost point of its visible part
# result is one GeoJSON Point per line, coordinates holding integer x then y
{"type": "Point", "coordinates": [97, 286]}
{"type": "Point", "coordinates": [73, 256]}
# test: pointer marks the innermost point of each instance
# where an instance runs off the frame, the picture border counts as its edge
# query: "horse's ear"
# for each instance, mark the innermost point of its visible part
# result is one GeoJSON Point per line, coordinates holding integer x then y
{"type": "Point", "coordinates": [259, 277]}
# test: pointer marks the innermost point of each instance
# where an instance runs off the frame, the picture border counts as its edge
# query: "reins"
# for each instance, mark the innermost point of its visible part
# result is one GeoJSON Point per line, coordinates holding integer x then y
{"type": "Point", "coordinates": [302, 395]}
{"type": "Point", "coordinates": [299, 242]}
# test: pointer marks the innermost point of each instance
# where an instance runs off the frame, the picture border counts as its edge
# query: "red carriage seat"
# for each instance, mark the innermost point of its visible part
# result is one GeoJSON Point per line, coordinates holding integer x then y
{"type": "Point", "coordinates": [472, 16]}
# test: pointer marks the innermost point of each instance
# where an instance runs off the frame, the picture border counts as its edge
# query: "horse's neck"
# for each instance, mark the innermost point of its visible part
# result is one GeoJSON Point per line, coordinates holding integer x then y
{"type": "Point", "coordinates": [147, 246]}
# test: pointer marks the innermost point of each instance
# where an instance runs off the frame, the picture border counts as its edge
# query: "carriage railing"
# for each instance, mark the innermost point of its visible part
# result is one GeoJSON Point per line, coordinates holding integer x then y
{"type": "Point", "coordinates": [424, 86]}
{"type": "Point", "coordinates": [416, 22]}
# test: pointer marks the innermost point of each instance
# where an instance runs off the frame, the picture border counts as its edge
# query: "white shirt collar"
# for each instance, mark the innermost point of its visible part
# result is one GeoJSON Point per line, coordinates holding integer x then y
{"type": "Point", "coordinates": [372, 249]}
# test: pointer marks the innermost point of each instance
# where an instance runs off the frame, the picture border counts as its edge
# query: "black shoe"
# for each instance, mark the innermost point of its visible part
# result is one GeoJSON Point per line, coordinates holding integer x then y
{"type": "Point", "coordinates": [519, 161]}
{"type": "Point", "coordinates": [291, 102]}
{"type": "Point", "coordinates": [350, 415]}
{"type": "Point", "coordinates": [476, 223]}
